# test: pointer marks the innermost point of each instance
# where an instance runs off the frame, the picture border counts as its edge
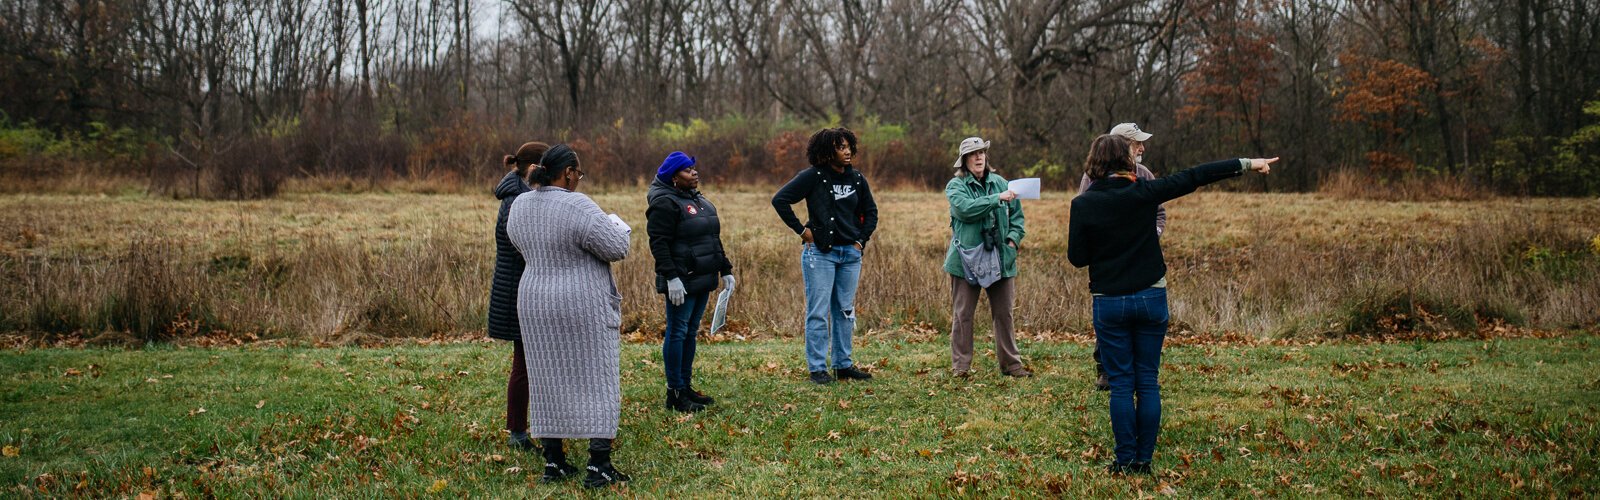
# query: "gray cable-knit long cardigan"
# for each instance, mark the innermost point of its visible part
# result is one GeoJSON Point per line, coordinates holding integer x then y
{"type": "Point", "coordinates": [570, 312]}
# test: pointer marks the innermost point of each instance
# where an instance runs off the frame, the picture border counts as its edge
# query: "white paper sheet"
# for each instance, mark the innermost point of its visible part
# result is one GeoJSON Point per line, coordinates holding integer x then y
{"type": "Point", "coordinates": [719, 316]}
{"type": "Point", "coordinates": [618, 220]}
{"type": "Point", "coordinates": [1026, 189]}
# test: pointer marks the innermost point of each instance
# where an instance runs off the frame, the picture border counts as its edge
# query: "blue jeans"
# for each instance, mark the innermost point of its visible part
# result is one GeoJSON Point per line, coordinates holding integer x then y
{"type": "Point", "coordinates": [831, 279]}
{"type": "Point", "coordinates": [1130, 329]}
{"type": "Point", "coordinates": [677, 348]}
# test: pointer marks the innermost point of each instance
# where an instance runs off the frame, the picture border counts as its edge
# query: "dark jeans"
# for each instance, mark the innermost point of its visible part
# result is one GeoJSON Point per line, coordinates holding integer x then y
{"type": "Point", "coordinates": [677, 348]}
{"type": "Point", "coordinates": [517, 391]}
{"type": "Point", "coordinates": [1130, 329]}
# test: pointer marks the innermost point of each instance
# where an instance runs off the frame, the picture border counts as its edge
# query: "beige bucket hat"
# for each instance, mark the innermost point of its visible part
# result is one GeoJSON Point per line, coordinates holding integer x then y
{"type": "Point", "coordinates": [969, 145]}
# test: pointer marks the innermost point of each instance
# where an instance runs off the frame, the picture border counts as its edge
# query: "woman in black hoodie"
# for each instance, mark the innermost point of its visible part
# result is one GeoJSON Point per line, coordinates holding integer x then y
{"type": "Point", "coordinates": [508, 266]}
{"type": "Point", "coordinates": [686, 241]}
{"type": "Point", "coordinates": [1112, 230]}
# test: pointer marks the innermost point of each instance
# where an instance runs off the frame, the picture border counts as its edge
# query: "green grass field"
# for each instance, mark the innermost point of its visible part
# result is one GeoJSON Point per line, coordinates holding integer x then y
{"type": "Point", "coordinates": [1495, 418]}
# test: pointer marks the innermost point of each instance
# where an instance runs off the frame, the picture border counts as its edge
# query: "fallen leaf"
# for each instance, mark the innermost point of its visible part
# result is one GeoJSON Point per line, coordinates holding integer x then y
{"type": "Point", "coordinates": [260, 404]}
{"type": "Point", "coordinates": [438, 486]}
{"type": "Point", "coordinates": [197, 411]}
{"type": "Point", "coordinates": [10, 451]}
{"type": "Point", "coordinates": [513, 470]}
{"type": "Point", "coordinates": [147, 495]}
{"type": "Point", "coordinates": [72, 372]}
{"type": "Point", "coordinates": [844, 404]}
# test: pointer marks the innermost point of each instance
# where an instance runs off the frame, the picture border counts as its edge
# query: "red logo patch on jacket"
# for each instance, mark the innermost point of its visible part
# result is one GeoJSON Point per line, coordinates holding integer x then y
{"type": "Point", "coordinates": [691, 209]}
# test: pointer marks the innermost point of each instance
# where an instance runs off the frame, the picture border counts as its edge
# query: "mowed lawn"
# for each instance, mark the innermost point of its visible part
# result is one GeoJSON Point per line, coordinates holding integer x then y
{"type": "Point", "coordinates": [1509, 417]}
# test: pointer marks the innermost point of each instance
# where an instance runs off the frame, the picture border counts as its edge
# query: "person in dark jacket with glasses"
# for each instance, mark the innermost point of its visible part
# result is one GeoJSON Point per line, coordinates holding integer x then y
{"type": "Point", "coordinates": [686, 241]}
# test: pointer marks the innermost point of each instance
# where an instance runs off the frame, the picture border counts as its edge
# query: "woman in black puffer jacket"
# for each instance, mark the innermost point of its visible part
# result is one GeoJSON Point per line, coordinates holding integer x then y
{"type": "Point", "coordinates": [686, 241]}
{"type": "Point", "coordinates": [508, 266]}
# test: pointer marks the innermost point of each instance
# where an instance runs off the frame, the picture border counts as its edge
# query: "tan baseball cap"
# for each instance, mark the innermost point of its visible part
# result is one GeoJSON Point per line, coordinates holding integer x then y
{"type": "Point", "coordinates": [1130, 131]}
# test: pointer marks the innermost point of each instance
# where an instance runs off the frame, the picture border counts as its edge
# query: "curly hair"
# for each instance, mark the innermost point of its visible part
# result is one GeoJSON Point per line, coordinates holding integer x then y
{"type": "Point", "coordinates": [824, 141]}
{"type": "Point", "coordinates": [1108, 154]}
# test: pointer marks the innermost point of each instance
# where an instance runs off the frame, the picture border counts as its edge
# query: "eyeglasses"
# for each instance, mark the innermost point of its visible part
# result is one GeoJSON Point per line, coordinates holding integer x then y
{"type": "Point", "coordinates": [580, 172]}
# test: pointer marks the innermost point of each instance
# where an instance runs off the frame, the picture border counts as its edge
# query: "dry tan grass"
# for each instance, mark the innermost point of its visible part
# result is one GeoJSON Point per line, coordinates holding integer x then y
{"type": "Point", "coordinates": [343, 266]}
{"type": "Point", "coordinates": [1354, 184]}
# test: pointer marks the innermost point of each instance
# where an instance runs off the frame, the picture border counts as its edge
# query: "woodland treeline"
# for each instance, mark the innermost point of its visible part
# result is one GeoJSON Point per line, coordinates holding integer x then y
{"type": "Point", "coordinates": [228, 98]}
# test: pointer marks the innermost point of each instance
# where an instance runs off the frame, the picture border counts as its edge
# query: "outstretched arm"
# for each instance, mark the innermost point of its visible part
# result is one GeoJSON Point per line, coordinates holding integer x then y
{"type": "Point", "coordinates": [1185, 182]}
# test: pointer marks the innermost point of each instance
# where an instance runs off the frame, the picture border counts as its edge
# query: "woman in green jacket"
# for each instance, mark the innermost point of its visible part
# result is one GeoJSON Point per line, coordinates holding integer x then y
{"type": "Point", "coordinates": [985, 219]}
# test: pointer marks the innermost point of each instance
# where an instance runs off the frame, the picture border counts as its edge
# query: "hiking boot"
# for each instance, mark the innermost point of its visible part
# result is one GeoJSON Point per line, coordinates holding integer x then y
{"type": "Point", "coordinates": [1142, 468]}
{"type": "Point", "coordinates": [1102, 383]}
{"type": "Point", "coordinates": [604, 475]}
{"type": "Point", "coordinates": [850, 372]}
{"type": "Point", "coordinates": [677, 401]}
{"type": "Point", "coordinates": [1117, 468]}
{"type": "Point", "coordinates": [821, 378]}
{"type": "Point", "coordinates": [697, 397]}
{"type": "Point", "coordinates": [1019, 372]}
{"type": "Point", "coordinates": [961, 373]}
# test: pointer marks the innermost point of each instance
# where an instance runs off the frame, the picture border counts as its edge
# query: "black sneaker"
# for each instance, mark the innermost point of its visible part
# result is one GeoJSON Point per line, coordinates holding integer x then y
{"type": "Point", "coordinates": [851, 372]}
{"type": "Point", "coordinates": [1142, 468]}
{"type": "Point", "coordinates": [697, 397]}
{"type": "Point", "coordinates": [677, 401]}
{"type": "Point", "coordinates": [554, 472]}
{"type": "Point", "coordinates": [1102, 383]}
{"type": "Point", "coordinates": [821, 378]}
{"type": "Point", "coordinates": [604, 475]}
{"type": "Point", "coordinates": [1117, 468]}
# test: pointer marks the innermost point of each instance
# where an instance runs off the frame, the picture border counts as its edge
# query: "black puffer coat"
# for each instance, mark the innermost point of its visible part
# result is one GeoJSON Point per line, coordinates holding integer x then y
{"type": "Point", "coordinates": [685, 239]}
{"type": "Point", "coordinates": [508, 265]}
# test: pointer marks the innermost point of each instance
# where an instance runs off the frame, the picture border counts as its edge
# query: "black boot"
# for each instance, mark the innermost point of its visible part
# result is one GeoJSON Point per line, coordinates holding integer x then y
{"type": "Point", "coordinates": [697, 397]}
{"type": "Point", "coordinates": [677, 400]}
{"type": "Point", "coordinates": [601, 472]}
{"type": "Point", "coordinates": [556, 467]}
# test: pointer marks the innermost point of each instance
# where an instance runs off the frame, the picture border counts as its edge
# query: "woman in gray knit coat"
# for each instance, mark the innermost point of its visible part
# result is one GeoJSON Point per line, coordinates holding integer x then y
{"type": "Point", "coordinates": [570, 314]}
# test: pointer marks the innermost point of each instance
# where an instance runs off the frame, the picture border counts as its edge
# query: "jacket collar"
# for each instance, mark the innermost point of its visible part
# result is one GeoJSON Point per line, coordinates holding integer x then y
{"type": "Point", "coordinates": [510, 185]}
{"type": "Point", "coordinates": [659, 186]}
{"type": "Point", "coordinates": [1110, 183]}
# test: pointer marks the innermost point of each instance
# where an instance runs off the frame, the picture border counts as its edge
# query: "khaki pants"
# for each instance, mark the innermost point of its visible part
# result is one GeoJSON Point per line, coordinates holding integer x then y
{"type": "Point", "coordinates": [964, 300]}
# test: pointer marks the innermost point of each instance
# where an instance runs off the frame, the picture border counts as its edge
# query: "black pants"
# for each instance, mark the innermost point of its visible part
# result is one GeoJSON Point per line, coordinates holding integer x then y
{"type": "Point", "coordinates": [595, 444]}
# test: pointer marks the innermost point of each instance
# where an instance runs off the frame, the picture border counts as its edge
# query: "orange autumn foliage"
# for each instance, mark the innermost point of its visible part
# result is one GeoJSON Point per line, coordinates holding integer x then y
{"type": "Point", "coordinates": [1381, 92]}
